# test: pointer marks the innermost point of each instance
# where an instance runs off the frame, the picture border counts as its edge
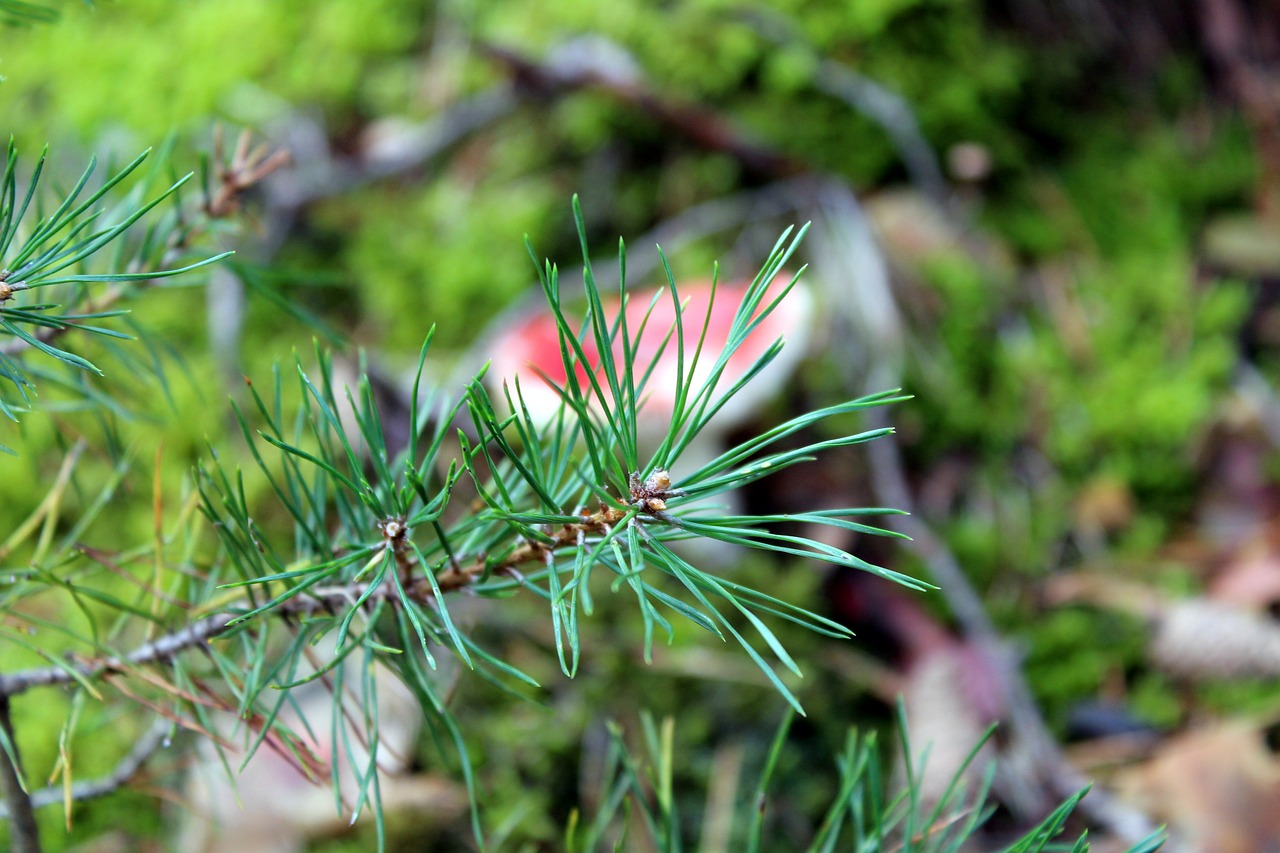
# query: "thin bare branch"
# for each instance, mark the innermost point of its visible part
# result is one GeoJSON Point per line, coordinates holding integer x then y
{"type": "Point", "coordinates": [24, 835]}
{"type": "Point", "coordinates": [1026, 725]}
{"type": "Point", "coordinates": [701, 126]}
{"type": "Point", "coordinates": [121, 775]}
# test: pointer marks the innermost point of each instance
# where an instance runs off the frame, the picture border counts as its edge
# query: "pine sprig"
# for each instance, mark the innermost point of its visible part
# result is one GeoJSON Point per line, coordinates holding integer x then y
{"type": "Point", "coordinates": [382, 532]}
{"type": "Point", "coordinates": [72, 268]}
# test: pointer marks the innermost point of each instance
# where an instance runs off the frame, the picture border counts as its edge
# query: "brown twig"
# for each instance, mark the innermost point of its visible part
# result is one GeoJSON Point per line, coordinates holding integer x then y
{"type": "Point", "coordinates": [160, 650]}
{"type": "Point", "coordinates": [1026, 725]}
{"type": "Point", "coordinates": [19, 807]}
{"type": "Point", "coordinates": [699, 125]}
{"type": "Point", "coordinates": [246, 169]}
{"type": "Point", "coordinates": [456, 577]}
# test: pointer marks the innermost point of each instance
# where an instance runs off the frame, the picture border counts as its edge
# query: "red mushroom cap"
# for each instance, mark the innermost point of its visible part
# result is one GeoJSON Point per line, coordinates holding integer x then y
{"type": "Point", "coordinates": [530, 348]}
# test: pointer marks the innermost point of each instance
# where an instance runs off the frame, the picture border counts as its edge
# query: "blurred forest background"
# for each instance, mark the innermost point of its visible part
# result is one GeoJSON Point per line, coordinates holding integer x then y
{"type": "Point", "coordinates": [1054, 224]}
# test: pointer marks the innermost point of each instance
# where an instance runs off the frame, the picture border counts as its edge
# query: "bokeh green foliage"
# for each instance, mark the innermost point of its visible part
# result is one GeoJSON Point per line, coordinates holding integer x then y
{"type": "Point", "coordinates": [1111, 365]}
{"type": "Point", "coordinates": [1115, 355]}
{"type": "Point", "coordinates": [188, 63]}
{"type": "Point", "coordinates": [438, 261]}
{"type": "Point", "coordinates": [148, 68]}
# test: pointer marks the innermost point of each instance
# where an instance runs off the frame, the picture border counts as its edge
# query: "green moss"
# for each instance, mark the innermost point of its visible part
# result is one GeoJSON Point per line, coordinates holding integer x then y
{"type": "Point", "coordinates": [1154, 699]}
{"type": "Point", "coordinates": [1074, 652]}
{"type": "Point", "coordinates": [71, 78]}
{"type": "Point", "coordinates": [439, 265]}
{"type": "Point", "coordinates": [1254, 697]}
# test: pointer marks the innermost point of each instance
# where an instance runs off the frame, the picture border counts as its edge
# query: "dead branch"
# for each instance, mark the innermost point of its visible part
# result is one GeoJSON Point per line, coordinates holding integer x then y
{"type": "Point", "coordinates": [122, 774]}
{"type": "Point", "coordinates": [23, 832]}
{"type": "Point", "coordinates": [702, 127]}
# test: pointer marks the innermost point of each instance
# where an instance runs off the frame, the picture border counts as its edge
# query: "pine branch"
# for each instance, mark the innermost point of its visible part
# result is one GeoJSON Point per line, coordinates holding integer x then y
{"type": "Point", "coordinates": [535, 482]}
{"type": "Point", "coordinates": [456, 577]}
{"type": "Point", "coordinates": [245, 170]}
{"type": "Point", "coordinates": [166, 647]}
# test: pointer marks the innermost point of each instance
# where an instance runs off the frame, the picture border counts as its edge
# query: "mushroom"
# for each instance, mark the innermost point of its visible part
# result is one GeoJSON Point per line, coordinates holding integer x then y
{"type": "Point", "coordinates": [529, 347]}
